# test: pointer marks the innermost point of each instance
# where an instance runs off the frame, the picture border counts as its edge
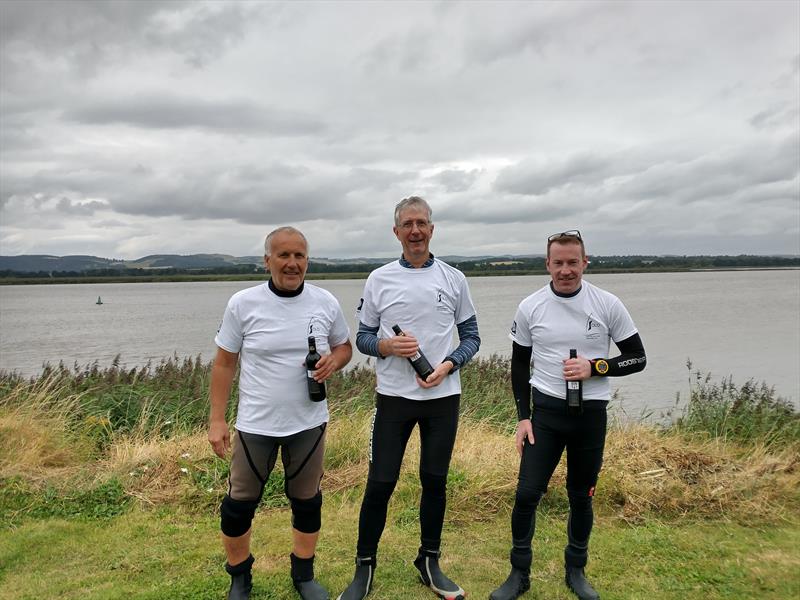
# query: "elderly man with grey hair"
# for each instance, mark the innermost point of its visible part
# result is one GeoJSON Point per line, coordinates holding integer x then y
{"type": "Point", "coordinates": [410, 307]}
{"type": "Point", "coordinates": [271, 327]}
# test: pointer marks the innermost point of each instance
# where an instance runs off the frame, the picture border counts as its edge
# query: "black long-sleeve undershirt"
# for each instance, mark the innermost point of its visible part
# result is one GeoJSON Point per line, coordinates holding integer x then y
{"type": "Point", "coordinates": [631, 359]}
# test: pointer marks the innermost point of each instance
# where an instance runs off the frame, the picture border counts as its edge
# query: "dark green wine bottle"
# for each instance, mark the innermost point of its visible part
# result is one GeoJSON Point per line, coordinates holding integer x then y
{"type": "Point", "coordinates": [418, 361]}
{"type": "Point", "coordinates": [574, 392]}
{"type": "Point", "coordinates": [316, 389]}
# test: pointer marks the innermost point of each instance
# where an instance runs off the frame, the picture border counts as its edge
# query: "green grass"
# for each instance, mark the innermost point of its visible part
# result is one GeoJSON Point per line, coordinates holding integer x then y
{"type": "Point", "coordinates": [108, 490]}
{"type": "Point", "coordinates": [167, 553]}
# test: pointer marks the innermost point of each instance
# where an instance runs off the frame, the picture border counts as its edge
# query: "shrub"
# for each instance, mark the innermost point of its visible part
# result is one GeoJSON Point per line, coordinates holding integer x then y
{"type": "Point", "coordinates": [750, 414]}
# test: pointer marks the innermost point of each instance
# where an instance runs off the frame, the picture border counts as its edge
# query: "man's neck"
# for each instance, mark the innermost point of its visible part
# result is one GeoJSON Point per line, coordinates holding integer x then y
{"type": "Point", "coordinates": [416, 262]}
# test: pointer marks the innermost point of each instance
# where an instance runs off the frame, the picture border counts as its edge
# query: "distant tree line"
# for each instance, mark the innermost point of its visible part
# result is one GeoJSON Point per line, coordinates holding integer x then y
{"type": "Point", "coordinates": [638, 263]}
{"type": "Point", "coordinates": [497, 265]}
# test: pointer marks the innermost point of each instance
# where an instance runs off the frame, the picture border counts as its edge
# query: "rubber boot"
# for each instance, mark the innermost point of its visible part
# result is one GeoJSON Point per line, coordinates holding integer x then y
{"type": "Point", "coordinates": [362, 579]}
{"type": "Point", "coordinates": [241, 579]}
{"type": "Point", "coordinates": [517, 583]}
{"type": "Point", "coordinates": [576, 581]}
{"type": "Point", "coordinates": [427, 563]}
{"type": "Point", "coordinates": [303, 579]}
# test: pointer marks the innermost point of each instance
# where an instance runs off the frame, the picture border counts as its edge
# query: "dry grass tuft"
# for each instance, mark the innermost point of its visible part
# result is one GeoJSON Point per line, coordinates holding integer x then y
{"type": "Point", "coordinates": [647, 472]}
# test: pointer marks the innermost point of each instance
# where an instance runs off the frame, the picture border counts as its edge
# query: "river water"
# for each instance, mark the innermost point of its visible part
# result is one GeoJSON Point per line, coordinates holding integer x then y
{"type": "Point", "coordinates": [740, 323]}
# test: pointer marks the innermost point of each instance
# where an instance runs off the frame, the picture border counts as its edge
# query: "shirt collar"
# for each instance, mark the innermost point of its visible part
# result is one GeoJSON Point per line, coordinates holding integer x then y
{"type": "Point", "coordinates": [408, 265]}
{"type": "Point", "coordinates": [286, 293]}
{"type": "Point", "coordinates": [562, 295]}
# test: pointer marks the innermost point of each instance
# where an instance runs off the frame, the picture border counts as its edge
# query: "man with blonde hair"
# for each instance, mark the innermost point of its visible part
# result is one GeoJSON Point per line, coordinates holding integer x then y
{"type": "Point", "coordinates": [567, 314]}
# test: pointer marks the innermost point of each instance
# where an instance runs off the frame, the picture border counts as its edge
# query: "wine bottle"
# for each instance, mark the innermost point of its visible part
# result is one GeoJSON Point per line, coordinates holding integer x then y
{"type": "Point", "coordinates": [418, 361]}
{"type": "Point", "coordinates": [574, 392]}
{"type": "Point", "coordinates": [316, 389]}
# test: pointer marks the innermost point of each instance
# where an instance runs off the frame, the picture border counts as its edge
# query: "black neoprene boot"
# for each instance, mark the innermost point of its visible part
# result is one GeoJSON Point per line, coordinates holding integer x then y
{"type": "Point", "coordinates": [576, 580]}
{"type": "Point", "coordinates": [517, 583]}
{"type": "Point", "coordinates": [362, 579]}
{"type": "Point", "coordinates": [303, 579]}
{"type": "Point", "coordinates": [427, 563]}
{"type": "Point", "coordinates": [241, 579]}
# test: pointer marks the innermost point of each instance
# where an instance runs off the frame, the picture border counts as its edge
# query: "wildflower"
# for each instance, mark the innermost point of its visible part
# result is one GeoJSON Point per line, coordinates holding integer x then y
{"type": "Point", "coordinates": [184, 470]}
{"type": "Point", "coordinates": [186, 455]}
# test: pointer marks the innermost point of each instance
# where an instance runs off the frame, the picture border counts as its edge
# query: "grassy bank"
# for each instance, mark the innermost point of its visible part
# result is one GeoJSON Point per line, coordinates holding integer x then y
{"type": "Point", "coordinates": [108, 489]}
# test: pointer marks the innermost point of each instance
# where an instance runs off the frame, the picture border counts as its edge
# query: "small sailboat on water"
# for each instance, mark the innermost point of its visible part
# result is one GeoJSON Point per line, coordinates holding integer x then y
{"type": "Point", "coordinates": [99, 301]}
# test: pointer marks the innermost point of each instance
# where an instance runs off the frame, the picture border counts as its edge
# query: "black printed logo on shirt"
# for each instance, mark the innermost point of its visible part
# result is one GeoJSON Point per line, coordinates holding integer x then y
{"type": "Point", "coordinates": [514, 328]}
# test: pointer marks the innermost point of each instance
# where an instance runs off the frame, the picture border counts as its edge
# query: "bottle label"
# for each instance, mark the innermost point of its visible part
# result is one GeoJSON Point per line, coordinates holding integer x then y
{"type": "Point", "coordinates": [416, 356]}
{"type": "Point", "coordinates": [573, 385]}
{"type": "Point", "coordinates": [310, 374]}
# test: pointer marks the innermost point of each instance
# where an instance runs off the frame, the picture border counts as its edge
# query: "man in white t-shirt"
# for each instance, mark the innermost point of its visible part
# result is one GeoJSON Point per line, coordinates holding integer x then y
{"type": "Point", "coordinates": [270, 327]}
{"type": "Point", "coordinates": [567, 314]}
{"type": "Point", "coordinates": [427, 300]}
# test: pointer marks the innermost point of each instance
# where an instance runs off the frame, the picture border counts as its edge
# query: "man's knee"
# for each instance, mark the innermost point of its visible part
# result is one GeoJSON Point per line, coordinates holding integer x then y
{"type": "Point", "coordinates": [236, 516]}
{"type": "Point", "coordinates": [378, 492]}
{"type": "Point", "coordinates": [528, 496]}
{"type": "Point", "coordinates": [433, 485]}
{"type": "Point", "coordinates": [580, 496]}
{"type": "Point", "coordinates": [307, 513]}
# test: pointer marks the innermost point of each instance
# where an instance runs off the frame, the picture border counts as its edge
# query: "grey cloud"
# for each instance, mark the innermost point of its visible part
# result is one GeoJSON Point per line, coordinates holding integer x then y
{"type": "Point", "coordinates": [776, 116]}
{"type": "Point", "coordinates": [207, 33]}
{"type": "Point", "coordinates": [498, 209]}
{"type": "Point", "coordinates": [534, 177]}
{"type": "Point", "coordinates": [277, 193]}
{"type": "Point", "coordinates": [380, 179]}
{"type": "Point", "coordinates": [717, 175]}
{"type": "Point", "coordinates": [178, 113]}
{"type": "Point", "coordinates": [71, 207]}
{"type": "Point", "coordinates": [456, 180]}
{"type": "Point", "coordinates": [110, 223]}
{"type": "Point", "coordinates": [526, 29]}
{"type": "Point", "coordinates": [76, 39]}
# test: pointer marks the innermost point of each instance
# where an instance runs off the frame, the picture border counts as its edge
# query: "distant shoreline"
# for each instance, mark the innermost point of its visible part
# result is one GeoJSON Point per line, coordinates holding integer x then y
{"type": "Point", "coordinates": [362, 275]}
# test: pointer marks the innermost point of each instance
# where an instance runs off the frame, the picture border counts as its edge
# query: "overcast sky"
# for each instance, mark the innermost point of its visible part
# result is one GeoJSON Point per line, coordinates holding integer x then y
{"type": "Point", "coordinates": [134, 128]}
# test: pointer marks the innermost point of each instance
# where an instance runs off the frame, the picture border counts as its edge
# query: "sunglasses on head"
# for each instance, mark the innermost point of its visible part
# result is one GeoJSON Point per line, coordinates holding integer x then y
{"type": "Point", "coordinates": [572, 233]}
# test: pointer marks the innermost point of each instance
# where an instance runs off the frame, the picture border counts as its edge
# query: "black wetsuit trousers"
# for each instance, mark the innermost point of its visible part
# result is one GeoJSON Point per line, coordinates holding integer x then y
{"type": "Point", "coordinates": [583, 437]}
{"type": "Point", "coordinates": [393, 423]}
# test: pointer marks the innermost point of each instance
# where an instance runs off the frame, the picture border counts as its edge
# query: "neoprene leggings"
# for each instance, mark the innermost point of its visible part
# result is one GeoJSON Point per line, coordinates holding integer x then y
{"type": "Point", "coordinates": [584, 438]}
{"type": "Point", "coordinates": [393, 423]}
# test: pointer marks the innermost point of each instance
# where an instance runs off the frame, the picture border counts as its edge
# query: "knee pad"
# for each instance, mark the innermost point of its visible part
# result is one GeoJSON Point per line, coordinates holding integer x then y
{"type": "Point", "coordinates": [307, 514]}
{"type": "Point", "coordinates": [433, 484]}
{"type": "Point", "coordinates": [378, 492]}
{"type": "Point", "coordinates": [236, 516]}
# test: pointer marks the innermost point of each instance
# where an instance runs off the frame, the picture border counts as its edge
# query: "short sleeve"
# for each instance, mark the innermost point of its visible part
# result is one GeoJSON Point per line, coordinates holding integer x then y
{"type": "Point", "coordinates": [366, 312]}
{"type": "Point", "coordinates": [339, 332]}
{"type": "Point", "coordinates": [464, 306]}
{"type": "Point", "coordinates": [520, 329]}
{"type": "Point", "coordinates": [229, 335]}
{"type": "Point", "coordinates": [621, 325]}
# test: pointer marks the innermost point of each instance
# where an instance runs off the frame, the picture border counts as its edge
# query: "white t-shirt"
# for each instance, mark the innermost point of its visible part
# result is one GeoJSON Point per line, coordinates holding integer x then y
{"type": "Point", "coordinates": [271, 333]}
{"type": "Point", "coordinates": [427, 303]}
{"type": "Point", "coordinates": [551, 325]}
